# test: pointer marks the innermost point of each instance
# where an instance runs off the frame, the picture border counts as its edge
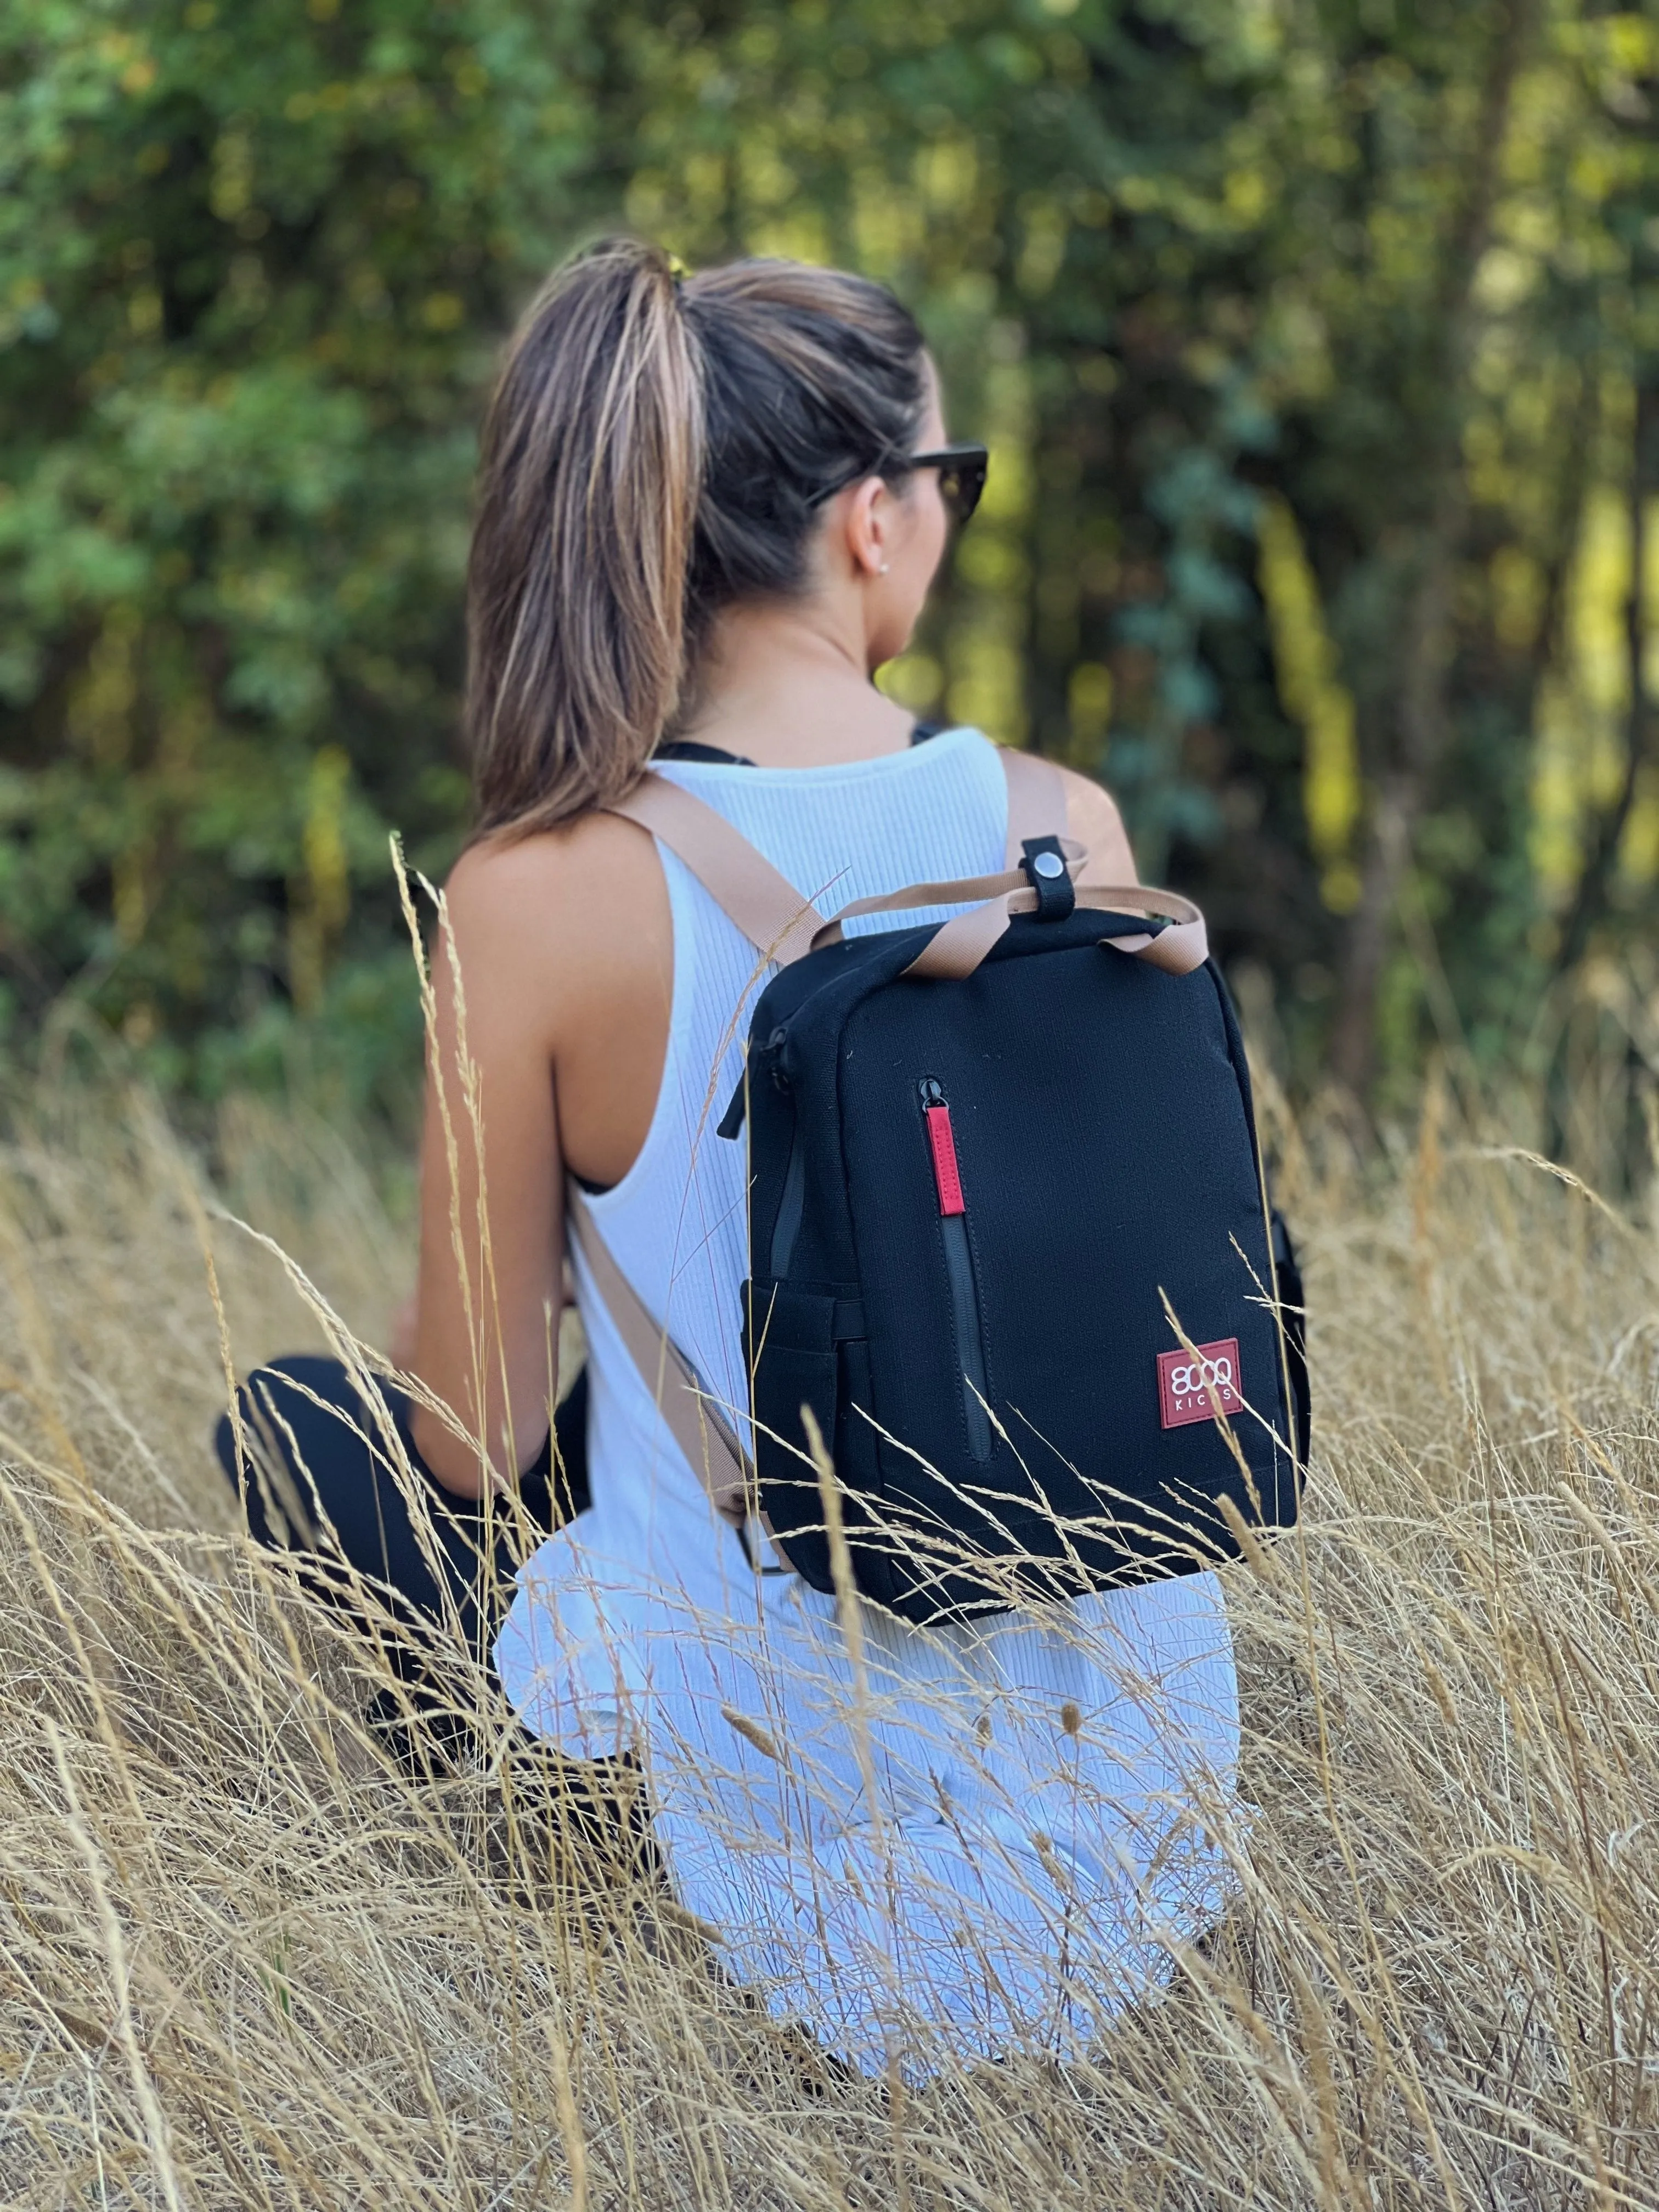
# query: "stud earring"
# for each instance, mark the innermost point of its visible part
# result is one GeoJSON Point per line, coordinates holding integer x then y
{"type": "Point", "coordinates": [885, 566]}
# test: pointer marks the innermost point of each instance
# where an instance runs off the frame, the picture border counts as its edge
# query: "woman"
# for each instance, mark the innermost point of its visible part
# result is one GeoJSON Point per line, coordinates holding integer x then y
{"type": "Point", "coordinates": [707, 517]}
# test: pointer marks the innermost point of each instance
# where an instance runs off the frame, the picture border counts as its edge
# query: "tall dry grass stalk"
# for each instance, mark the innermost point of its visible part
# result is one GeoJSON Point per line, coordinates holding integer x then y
{"type": "Point", "coordinates": [245, 1961]}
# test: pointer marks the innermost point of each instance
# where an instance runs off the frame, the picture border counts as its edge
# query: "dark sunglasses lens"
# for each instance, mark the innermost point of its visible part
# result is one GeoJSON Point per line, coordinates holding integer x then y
{"type": "Point", "coordinates": [960, 486]}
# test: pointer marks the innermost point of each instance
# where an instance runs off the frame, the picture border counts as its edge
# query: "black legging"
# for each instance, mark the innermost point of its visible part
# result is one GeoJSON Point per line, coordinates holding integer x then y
{"type": "Point", "coordinates": [318, 1482]}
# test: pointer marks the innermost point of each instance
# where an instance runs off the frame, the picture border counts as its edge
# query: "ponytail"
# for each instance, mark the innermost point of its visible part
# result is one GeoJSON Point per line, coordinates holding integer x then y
{"type": "Point", "coordinates": [654, 453]}
{"type": "Point", "coordinates": [576, 587]}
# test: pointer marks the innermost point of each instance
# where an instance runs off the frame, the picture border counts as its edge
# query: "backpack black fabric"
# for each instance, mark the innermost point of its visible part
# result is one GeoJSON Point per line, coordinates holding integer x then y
{"type": "Point", "coordinates": [984, 1214]}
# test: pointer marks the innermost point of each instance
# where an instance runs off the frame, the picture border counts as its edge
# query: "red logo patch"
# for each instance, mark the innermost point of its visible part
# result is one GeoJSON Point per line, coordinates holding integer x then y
{"type": "Point", "coordinates": [1188, 1389]}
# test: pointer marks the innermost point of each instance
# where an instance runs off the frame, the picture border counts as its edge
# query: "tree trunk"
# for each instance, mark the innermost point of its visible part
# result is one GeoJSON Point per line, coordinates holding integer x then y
{"type": "Point", "coordinates": [1595, 892]}
{"type": "Point", "coordinates": [1419, 722]}
{"type": "Point", "coordinates": [1594, 896]}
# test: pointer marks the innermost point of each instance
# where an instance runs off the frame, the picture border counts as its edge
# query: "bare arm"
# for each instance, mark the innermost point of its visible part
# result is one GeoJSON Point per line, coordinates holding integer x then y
{"type": "Point", "coordinates": [564, 946]}
{"type": "Point", "coordinates": [491, 1196]}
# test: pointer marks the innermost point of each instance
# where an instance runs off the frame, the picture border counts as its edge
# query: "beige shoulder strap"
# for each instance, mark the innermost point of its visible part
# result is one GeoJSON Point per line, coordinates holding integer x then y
{"type": "Point", "coordinates": [698, 1427]}
{"type": "Point", "coordinates": [782, 926]}
{"type": "Point", "coordinates": [748, 890]}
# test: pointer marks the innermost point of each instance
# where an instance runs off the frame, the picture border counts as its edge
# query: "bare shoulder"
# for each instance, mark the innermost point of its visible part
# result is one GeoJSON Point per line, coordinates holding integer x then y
{"type": "Point", "coordinates": [595, 859]}
{"type": "Point", "coordinates": [1093, 819]}
{"type": "Point", "coordinates": [553, 914]}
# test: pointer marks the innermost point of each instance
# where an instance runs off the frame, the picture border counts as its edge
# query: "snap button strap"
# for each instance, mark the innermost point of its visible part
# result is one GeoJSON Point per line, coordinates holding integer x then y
{"type": "Point", "coordinates": [1045, 869]}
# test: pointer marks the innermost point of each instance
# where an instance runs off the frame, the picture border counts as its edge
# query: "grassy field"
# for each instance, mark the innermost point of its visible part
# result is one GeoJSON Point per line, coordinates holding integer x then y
{"type": "Point", "coordinates": [244, 1961]}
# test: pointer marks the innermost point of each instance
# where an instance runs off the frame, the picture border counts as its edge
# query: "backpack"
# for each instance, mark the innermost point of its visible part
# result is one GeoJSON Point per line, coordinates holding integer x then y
{"type": "Point", "coordinates": [1013, 1271]}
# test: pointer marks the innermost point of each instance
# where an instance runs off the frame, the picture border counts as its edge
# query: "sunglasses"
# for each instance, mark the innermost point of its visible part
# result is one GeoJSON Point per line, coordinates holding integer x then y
{"type": "Point", "coordinates": [962, 472]}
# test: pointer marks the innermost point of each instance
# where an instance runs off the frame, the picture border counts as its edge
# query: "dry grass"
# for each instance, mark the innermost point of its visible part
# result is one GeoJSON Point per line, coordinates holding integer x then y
{"type": "Point", "coordinates": [243, 1961]}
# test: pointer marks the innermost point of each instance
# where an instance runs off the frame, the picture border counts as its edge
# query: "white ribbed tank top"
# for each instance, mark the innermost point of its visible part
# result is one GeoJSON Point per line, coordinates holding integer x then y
{"type": "Point", "coordinates": [643, 1625]}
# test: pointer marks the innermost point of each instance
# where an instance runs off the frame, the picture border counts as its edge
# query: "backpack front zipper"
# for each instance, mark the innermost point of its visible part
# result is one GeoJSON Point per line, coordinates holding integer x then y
{"type": "Point", "coordinates": [958, 1266]}
{"type": "Point", "coordinates": [791, 1204]}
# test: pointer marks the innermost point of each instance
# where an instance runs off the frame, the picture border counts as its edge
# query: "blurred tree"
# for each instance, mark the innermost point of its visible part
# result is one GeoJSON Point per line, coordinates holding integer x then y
{"type": "Point", "coordinates": [1311, 338]}
{"type": "Point", "coordinates": [254, 261]}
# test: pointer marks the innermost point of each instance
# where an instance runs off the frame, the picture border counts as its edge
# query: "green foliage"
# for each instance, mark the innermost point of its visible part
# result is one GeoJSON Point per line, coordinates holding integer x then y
{"type": "Point", "coordinates": [252, 264]}
{"type": "Point", "coordinates": [1379, 276]}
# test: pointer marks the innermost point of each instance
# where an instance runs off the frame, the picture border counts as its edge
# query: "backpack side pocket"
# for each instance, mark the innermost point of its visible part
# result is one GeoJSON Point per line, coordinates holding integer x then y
{"type": "Point", "coordinates": [1292, 1313]}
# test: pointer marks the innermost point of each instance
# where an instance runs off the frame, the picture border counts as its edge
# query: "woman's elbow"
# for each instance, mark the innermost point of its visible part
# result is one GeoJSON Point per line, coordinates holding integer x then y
{"type": "Point", "coordinates": [453, 1460]}
{"type": "Point", "coordinates": [456, 1462]}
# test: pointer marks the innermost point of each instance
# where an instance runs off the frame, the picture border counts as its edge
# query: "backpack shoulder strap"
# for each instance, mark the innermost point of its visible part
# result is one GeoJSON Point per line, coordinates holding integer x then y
{"type": "Point", "coordinates": [697, 1424]}
{"type": "Point", "coordinates": [748, 890]}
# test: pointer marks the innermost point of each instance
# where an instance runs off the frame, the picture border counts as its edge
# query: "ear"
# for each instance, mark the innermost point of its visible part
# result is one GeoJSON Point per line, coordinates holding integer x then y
{"type": "Point", "coordinates": [868, 527]}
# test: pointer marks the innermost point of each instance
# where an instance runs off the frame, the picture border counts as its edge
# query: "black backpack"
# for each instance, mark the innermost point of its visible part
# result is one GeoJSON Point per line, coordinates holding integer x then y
{"type": "Point", "coordinates": [1011, 1250]}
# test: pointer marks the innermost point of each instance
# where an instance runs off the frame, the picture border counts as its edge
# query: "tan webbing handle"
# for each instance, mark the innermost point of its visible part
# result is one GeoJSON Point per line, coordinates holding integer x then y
{"type": "Point", "coordinates": [1016, 888]}
{"type": "Point", "coordinates": [1037, 808]}
{"type": "Point", "coordinates": [704, 1436]}
{"type": "Point", "coordinates": [958, 946]}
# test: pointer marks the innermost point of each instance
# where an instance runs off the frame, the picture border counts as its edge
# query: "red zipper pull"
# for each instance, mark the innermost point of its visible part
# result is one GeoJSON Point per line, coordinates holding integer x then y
{"type": "Point", "coordinates": [946, 1175]}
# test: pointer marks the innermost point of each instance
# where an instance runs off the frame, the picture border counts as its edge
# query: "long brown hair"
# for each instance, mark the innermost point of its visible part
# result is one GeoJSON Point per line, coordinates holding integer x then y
{"type": "Point", "coordinates": [655, 450]}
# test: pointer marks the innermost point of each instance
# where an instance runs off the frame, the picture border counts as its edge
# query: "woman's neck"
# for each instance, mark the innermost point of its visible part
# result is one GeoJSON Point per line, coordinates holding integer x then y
{"type": "Point", "coordinates": [786, 687]}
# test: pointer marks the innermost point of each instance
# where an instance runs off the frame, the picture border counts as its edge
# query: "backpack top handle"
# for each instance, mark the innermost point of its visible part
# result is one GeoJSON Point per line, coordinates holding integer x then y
{"type": "Point", "coordinates": [957, 947]}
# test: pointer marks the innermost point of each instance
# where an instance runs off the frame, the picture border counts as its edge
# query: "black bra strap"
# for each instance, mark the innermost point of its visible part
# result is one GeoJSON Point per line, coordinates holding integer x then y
{"type": "Point", "coordinates": [687, 748]}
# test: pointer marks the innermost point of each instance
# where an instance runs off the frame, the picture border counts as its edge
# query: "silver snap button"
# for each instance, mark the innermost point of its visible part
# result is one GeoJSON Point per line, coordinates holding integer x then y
{"type": "Point", "coordinates": [1049, 864]}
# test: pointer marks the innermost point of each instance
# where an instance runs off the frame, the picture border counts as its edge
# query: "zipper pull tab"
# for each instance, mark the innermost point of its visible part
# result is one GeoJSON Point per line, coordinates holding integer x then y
{"type": "Point", "coordinates": [947, 1177]}
{"type": "Point", "coordinates": [731, 1122]}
